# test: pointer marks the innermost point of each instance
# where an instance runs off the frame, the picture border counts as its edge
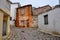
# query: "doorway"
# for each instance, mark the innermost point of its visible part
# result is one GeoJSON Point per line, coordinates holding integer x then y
{"type": "Point", "coordinates": [4, 28]}
{"type": "Point", "coordinates": [22, 23]}
{"type": "Point", "coordinates": [27, 23]}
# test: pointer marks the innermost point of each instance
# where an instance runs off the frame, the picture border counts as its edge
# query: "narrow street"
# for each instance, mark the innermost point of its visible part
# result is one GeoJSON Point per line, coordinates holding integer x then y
{"type": "Point", "coordinates": [29, 34]}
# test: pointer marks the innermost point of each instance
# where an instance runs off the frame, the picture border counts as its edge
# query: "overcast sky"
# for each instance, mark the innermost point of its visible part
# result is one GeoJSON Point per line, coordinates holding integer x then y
{"type": "Point", "coordinates": [37, 3]}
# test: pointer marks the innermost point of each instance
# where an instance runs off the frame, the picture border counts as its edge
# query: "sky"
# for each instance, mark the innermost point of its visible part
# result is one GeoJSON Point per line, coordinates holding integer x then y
{"type": "Point", "coordinates": [37, 3]}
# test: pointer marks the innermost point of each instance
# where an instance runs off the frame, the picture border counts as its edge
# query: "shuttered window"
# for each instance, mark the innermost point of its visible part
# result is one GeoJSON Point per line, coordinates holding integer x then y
{"type": "Point", "coordinates": [22, 11]}
{"type": "Point", "coordinates": [45, 19]}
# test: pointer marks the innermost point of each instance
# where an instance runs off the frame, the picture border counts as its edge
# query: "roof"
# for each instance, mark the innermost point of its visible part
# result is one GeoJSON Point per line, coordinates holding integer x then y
{"type": "Point", "coordinates": [42, 9]}
{"type": "Point", "coordinates": [14, 3]}
{"type": "Point", "coordinates": [57, 6]}
{"type": "Point", "coordinates": [25, 6]}
{"type": "Point", "coordinates": [17, 3]}
{"type": "Point", "coordinates": [9, 1]}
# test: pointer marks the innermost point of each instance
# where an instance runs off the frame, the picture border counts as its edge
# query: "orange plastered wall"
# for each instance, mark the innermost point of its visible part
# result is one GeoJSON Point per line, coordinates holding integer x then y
{"type": "Point", "coordinates": [27, 13]}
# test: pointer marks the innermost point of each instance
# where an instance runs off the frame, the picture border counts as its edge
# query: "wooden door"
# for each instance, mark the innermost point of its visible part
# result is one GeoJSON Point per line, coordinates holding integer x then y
{"type": "Point", "coordinates": [22, 23]}
{"type": "Point", "coordinates": [27, 23]}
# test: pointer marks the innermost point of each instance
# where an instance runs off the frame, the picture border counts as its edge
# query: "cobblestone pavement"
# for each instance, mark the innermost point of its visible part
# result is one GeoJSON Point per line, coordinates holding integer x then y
{"type": "Point", "coordinates": [29, 34]}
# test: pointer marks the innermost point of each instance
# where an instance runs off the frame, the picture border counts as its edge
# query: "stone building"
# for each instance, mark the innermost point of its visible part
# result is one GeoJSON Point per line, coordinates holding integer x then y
{"type": "Point", "coordinates": [4, 18]}
{"type": "Point", "coordinates": [49, 21]}
{"type": "Point", "coordinates": [31, 13]}
{"type": "Point", "coordinates": [34, 17]}
{"type": "Point", "coordinates": [13, 12]}
{"type": "Point", "coordinates": [24, 16]}
{"type": "Point", "coordinates": [37, 11]}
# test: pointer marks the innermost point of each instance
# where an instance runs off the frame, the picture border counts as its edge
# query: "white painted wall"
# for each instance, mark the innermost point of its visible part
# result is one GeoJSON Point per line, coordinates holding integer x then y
{"type": "Point", "coordinates": [13, 12]}
{"type": "Point", "coordinates": [53, 21]}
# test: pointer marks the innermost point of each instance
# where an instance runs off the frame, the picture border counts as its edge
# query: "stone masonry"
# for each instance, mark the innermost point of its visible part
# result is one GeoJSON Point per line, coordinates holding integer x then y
{"type": "Point", "coordinates": [35, 21]}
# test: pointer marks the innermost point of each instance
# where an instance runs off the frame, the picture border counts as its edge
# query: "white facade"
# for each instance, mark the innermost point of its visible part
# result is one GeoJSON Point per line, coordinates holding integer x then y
{"type": "Point", "coordinates": [13, 13]}
{"type": "Point", "coordinates": [53, 21]}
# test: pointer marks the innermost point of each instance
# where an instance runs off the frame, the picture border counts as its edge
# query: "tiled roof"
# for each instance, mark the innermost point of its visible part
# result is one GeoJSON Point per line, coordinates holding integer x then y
{"type": "Point", "coordinates": [25, 6]}
{"type": "Point", "coordinates": [40, 10]}
{"type": "Point", "coordinates": [57, 6]}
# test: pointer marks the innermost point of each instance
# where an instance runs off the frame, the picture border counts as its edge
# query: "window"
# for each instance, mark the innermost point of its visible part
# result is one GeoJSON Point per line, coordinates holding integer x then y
{"type": "Point", "coordinates": [45, 19]}
{"type": "Point", "coordinates": [22, 11]}
{"type": "Point", "coordinates": [27, 23]}
{"type": "Point", "coordinates": [22, 23]}
{"type": "Point", "coordinates": [13, 19]}
{"type": "Point", "coordinates": [10, 18]}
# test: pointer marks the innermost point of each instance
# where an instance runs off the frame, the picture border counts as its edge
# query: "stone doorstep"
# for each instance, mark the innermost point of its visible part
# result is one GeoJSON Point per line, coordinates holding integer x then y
{"type": "Point", "coordinates": [49, 33]}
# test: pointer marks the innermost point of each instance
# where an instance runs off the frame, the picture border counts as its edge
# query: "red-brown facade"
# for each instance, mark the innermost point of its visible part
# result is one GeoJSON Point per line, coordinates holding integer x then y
{"type": "Point", "coordinates": [24, 17]}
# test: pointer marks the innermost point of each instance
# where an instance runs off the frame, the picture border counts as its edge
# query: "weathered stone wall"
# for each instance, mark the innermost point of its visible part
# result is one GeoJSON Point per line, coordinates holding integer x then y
{"type": "Point", "coordinates": [24, 14]}
{"type": "Point", "coordinates": [35, 21]}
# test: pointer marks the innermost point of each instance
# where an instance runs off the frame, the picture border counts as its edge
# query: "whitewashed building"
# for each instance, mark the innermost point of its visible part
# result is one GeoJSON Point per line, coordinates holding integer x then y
{"type": "Point", "coordinates": [49, 21]}
{"type": "Point", "coordinates": [13, 12]}
{"type": "Point", "coordinates": [37, 11]}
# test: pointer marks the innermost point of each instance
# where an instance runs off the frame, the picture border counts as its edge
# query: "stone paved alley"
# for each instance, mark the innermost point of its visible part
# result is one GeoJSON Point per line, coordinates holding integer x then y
{"type": "Point", "coordinates": [29, 34]}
